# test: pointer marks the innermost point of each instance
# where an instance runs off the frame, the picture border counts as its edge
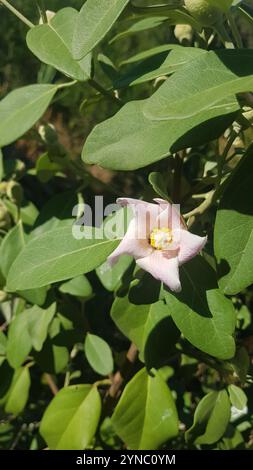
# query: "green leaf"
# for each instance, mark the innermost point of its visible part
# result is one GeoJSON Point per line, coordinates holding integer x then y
{"type": "Point", "coordinates": [2, 171]}
{"type": "Point", "coordinates": [139, 135]}
{"type": "Point", "coordinates": [56, 211]}
{"type": "Point", "coordinates": [232, 440]}
{"type": "Point", "coordinates": [211, 419]}
{"type": "Point", "coordinates": [145, 405]}
{"type": "Point", "coordinates": [233, 234]}
{"type": "Point", "coordinates": [155, 19]}
{"type": "Point", "coordinates": [6, 373]}
{"type": "Point", "coordinates": [53, 358]}
{"type": "Point", "coordinates": [223, 5]}
{"type": "Point", "coordinates": [71, 419]}
{"type": "Point", "coordinates": [240, 364]}
{"type": "Point", "coordinates": [78, 286]}
{"type": "Point", "coordinates": [139, 26]}
{"type": "Point", "coordinates": [55, 256]}
{"type": "Point", "coordinates": [129, 140]}
{"type": "Point", "coordinates": [156, 62]}
{"type": "Point", "coordinates": [93, 22]}
{"type": "Point", "coordinates": [21, 109]}
{"type": "Point", "coordinates": [38, 323]}
{"type": "Point", "coordinates": [148, 325]}
{"type": "Point", "coordinates": [98, 354]}
{"type": "Point", "coordinates": [19, 391]}
{"type": "Point", "coordinates": [3, 343]}
{"type": "Point", "coordinates": [34, 296]}
{"type": "Point", "coordinates": [19, 341]}
{"type": "Point", "coordinates": [52, 43]}
{"type": "Point", "coordinates": [201, 312]}
{"type": "Point", "coordinates": [211, 78]}
{"type": "Point", "coordinates": [237, 397]}
{"type": "Point", "coordinates": [246, 11]}
{"type": "Point", "coordinates": [46, 169]}
{"type": "Point", "coordinates": [11, 246]}
{"type": "Point", "coordinates": [111, 276]}
{"type": "Point", "coordinates": [159, 185]}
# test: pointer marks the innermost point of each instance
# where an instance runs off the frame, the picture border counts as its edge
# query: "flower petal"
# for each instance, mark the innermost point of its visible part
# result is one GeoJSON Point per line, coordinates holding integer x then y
{"type": "Point", "coordinates": [163, 268]}
{"type": "Point", "coordinates": [131, 245]}
{"type": "Point", "coordinates": [190, 246]}
{"type": "Point", "coordinates": [161, 202]}
{"type": "Point", "coordinates": [170, 217]}
{"type": "Point", "coordinates": [145, 213]}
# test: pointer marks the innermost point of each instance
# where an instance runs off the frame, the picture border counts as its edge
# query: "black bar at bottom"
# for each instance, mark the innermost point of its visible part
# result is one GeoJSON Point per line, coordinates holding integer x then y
{"type": "Point", "coordinates": [109, 459]}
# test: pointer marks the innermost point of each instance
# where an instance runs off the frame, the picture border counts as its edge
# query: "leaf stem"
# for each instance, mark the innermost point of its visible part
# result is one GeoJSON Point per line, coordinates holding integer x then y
{"type": "Point", "coordinates": [51, 383]}
{"type": "Point", "coordinates": [178, 167]}
{"type": "Point", "coordinates": [224, 36]}
{"type": "Point", "coordinates": [234, 30]}
{"type": "Point", "coordinates": [66, 84]}
{"type": "Point", "coordinates": [94, 84]}
{"type": "Point", "coordinates": [17, 13]}
{"type": "Point", "coordinates": [156, 9]}
{"type": "Point", "coordinates": [42, 10]}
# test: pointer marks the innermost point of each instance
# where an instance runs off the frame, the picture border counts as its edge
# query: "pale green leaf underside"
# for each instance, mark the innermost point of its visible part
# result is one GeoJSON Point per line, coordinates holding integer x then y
{"type": "Point", "coordinates": [203, 83]}
{"type": "Point", "coordinates": [94, 21]}
{"type": "Point", "coordinates": [52, 44]}
{"type": "Point", "coordinates": [180, 114]}
{"type": "Point", "coordinates": [55, 256]}
{"type": "Point", "coordinates": [21, 109]}
{"type": "Point", "coordinates": [129, 140]}
{"type": "Point", "coordinates": [98, 354]}
{"type": "Point", "coordinates": [157, 62]}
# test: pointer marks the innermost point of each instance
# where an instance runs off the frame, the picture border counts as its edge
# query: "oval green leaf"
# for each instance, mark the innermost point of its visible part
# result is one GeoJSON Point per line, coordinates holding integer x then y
{"type": "Point", "coordinates": [52, 43]}
{"type": "Point", "coordinates": [57, 255]}
{"type": "Point", "coordinates": [98, 354]}
{"type": "Point", "coordinates": [19, 391]}
{"type": "Point", "coordinates": [201, 312]}
{"type": "Point", "coordinates": [71, 419]}
{"type": "Point", "coordinates": [21, 109]}
{"type": "Point", "coordinates": [145, 405]}
{"type": "Point", "coordinates": [233, 233]}
{"type": "Point", "coordinates": [93, 22]}
{"type": "Point", "coordinates": [211, 418]}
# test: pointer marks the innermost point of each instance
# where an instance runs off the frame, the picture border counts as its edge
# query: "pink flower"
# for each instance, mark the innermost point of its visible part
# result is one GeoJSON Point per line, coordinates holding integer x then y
{"type": "Point", "coordinates": [158, 240]}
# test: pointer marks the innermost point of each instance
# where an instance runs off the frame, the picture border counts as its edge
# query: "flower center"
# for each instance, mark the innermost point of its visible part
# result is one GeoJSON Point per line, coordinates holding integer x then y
{"type": "Point", "coordinates": [161, 239]}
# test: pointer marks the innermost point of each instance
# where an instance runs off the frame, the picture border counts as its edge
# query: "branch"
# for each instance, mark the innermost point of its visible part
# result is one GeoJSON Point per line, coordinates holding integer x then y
{"type": "Point", "coordinates": [51, 383]}
{"type": "Point", "coordinates": [17, 13]}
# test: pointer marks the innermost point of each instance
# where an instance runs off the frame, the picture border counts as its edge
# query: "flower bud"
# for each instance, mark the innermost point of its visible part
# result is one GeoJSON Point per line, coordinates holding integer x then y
{"type": "Point", "coordinates": [183, 33]}
{"type": "Point", "coordinates": [50, 14]}
{"type": "Point", "coordinates": [248, 114]}
{"type": "Point", "coordinates": [15, 192]}
{"type": "Point", "coordinates": [5, 219]}
{"type": "Point", "coordinates": [203, 12]}
{"type": "Point", "coordinates": [3, 187]}
{"type": "Point", "coordinates": [3, 295]}
{"type": "Point", "coordinates": [48, 134]}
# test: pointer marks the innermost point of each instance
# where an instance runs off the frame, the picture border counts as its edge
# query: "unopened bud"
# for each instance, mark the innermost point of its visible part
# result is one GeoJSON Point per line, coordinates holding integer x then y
{"type": "Point", "coordinates": [48, 134]}
{"type": "Point", "coordinates": [5, 219]}
{"type": "Point", "coordinates": [183, 33]}
{"type": "Point", "coordinates": [3, 295]}
{"type": "Point", "coordinates": [50, 14]}
{"type": "Point", "coordinates": [15, 192]}
{"type": "Point", "coordinates": [203, 12]}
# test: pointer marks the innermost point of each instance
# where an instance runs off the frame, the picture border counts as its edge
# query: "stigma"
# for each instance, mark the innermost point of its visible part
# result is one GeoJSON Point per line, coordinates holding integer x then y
{"type": "Point", "coordinates": [161, 239]}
